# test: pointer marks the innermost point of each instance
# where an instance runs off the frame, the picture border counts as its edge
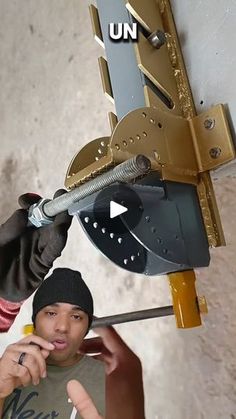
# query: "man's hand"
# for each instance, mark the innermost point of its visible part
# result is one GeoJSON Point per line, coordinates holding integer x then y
{"type": "Point", "coordinates": [124, 384]}
{"type": "Point", "coordinates": [27, 253]}
{"type": "Point", "coordinates": [31, 352]}
{"type": "Point", "coordinates": [82, 401]}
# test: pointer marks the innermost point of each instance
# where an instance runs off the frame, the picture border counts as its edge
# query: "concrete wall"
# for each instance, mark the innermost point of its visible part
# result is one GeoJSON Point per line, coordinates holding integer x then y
{"type": "Point", "coordinates": [51, 104]}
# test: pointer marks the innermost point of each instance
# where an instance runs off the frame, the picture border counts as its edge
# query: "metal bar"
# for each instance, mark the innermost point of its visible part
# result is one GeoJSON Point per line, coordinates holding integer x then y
{"type": "Point", "coordinates": [126, 78]}
{"type": "Point", "coordinates": [119, 318]}
{"type": "Point", "coordinates": [133, 316]}
{"type": "Point", "coordinates": [124, 172]}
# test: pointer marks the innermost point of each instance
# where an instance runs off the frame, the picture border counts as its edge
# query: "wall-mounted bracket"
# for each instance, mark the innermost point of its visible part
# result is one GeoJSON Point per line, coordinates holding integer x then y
{"type": "Point", "coordinates": [136, 75]}
{"type": "Point", "coordinates": [156, 117]}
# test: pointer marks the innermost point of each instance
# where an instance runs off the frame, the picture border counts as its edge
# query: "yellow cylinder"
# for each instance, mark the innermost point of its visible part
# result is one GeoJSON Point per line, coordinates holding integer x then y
{"type": "Point", "coordinates": [28, 329]}
{"type": "Point", "coordinates": [185, 300]}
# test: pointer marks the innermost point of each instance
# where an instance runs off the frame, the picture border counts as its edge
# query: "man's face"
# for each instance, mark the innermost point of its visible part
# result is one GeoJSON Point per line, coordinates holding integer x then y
{"type": "Point", "coordinates": [64, 325]}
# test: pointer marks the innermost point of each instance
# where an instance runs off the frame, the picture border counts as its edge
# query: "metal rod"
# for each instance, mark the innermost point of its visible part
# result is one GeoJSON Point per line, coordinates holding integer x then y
{"type": "Point", "coordinates": [124, 172]}
{"type": "Point", "coordinates": [133, 316]}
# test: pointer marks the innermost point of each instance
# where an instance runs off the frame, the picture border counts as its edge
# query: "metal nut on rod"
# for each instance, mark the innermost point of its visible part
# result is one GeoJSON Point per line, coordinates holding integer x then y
{"type": "Point", "coordinates": [157, 39]}
{"type": "Point", "coordinates": [36, 215]}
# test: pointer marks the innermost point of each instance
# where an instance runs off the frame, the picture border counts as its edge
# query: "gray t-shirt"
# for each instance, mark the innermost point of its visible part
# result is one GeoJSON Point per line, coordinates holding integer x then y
{"type": "Point", "coordinates": [49, 399]}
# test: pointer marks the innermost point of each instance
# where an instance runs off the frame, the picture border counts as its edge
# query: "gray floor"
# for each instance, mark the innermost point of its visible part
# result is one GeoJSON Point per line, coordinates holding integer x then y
{"type": "Point", "coordinates": [52, 104]}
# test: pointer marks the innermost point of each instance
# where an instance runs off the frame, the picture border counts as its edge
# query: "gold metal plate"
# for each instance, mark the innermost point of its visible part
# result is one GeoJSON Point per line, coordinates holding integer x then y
{"type": "Point", "coordinates": [176, 59]}
{"type": "Point", "coordinates": [160, 136]}
{"type": "Point", "coordinates": [178, 148]}
{"type": "Point", "coordinates": [212, 139]}
{"type": "Point", "coordinates": [149, 17]}
{"type": "Point", "coordinates": [92, 159]}
{"type": "Point", "coordinates": [157, 67]}
{"type": "Point", "coordinates": [113, 120]}
{"type": "Point", "coordinates": [210, 211]}
{"type": "Point", "coordinates": [152, 100]}
{"type": "Point", "coordinates": [105, 77]}
{"type": "Point", "coordinates": [96, 27]}
{"type": "Point", "coordinates": [158, 15]}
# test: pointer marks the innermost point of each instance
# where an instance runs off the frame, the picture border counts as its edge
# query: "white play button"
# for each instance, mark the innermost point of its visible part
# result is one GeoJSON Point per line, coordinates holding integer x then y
{"type": "Point", "coordinates": [116, 209]}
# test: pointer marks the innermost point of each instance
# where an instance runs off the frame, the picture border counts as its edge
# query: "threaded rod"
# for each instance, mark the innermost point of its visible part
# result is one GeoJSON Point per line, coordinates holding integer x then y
{"type": "Point", "coordinates": [124, 172]}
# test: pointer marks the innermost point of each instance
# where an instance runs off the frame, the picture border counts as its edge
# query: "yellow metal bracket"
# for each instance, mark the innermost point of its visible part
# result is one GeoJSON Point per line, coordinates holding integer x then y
{"type": "Point", "coordinates": [180, 149]}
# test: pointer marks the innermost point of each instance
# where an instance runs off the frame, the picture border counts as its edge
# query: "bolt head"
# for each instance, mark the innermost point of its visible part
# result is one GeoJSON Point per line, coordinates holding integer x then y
{"type": "Point", "coordinates": [215, 152]}
{"type": "Point", "coordinates": [209, 123]}
{"type": "Point", "coordinates": [157, 39]}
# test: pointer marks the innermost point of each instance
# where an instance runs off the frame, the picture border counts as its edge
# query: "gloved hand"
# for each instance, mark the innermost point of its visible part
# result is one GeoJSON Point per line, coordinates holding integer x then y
{"type": "Point", "coordinates": [27, 253]}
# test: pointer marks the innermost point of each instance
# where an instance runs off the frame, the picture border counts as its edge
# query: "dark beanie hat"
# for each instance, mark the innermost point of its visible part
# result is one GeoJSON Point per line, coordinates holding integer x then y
{"type": "Point", "coordinates": [63, 286]}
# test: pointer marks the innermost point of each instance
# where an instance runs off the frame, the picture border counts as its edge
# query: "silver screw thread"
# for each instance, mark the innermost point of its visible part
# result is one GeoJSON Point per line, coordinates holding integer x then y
{"type": "Point", "coordinates": [124, 172]}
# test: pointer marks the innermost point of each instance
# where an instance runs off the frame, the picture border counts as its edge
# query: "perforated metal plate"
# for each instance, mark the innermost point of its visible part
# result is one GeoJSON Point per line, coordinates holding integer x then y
{"type": "Point", "coordinates": [150, 238]}
{"type": "Point", "coordinates": [159, 227]}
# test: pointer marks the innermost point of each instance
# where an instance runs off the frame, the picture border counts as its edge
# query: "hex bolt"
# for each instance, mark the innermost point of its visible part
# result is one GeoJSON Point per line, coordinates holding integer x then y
{"type": "Point", "coordinates": [215, 152]}
{"type": "Point", "coordinates": [157, 39]}
{"type": "Point", "coordinates": [209, 123]}
{"type": "Point", "coordinates": [124, 172]}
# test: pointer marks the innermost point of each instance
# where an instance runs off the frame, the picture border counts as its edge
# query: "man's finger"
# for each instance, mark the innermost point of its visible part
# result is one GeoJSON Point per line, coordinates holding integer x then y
{"type": "Point", "coordinates": [24, 378]}
{"type": "Point", "coordinates": [110, 362]}
{"type": "Point", "coordinates": [63, 218]}
{"type": "Point", "coordinates": [33, 357]}
{"type": "Point", "coordinates": [92, 346]}
{"type": "Point", "coordinates": [51, 243]}
{"type": "Point", "coordinates": [111, 339]}
{"type": "Point", "coordinates": [13, 227]}
{"type": "Point", "coordinates": [29, 366]}
{"type": "Point", "coordinates": [28, 199]}
{"type": "Point", "coordinates": [37, 341]}
{"type": "Point", "coordinates": [81, 400]}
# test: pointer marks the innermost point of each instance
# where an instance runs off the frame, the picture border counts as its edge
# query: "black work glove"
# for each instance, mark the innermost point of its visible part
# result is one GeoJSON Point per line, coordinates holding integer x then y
{"type": "Point", "coordinates": [27, 253]}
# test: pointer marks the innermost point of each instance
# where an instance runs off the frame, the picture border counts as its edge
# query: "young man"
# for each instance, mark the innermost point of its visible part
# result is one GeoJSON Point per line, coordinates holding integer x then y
{"type": "Point", "coordinates": [44, 362]}
{"type": "Point", "coordinates": [26, 255]}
